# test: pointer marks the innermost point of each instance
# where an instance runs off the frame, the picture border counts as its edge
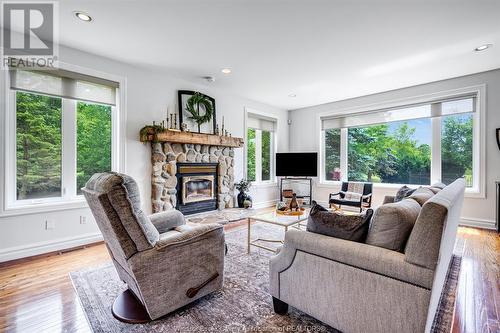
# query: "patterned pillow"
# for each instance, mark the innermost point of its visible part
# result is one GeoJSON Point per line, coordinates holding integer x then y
{"type": "Point", "coordinates": [352, 196]}
{"type": "Point", "coordinates": [350, 227]}
{"type": "Point", "coordinates": [403, 192]}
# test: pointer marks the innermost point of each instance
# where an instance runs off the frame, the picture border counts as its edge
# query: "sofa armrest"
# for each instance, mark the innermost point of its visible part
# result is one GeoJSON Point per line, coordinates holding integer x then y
{"type": "Point", "coordinates": [186, 234]}
{"type": "Point", "coordinates": [165, 221]}
{"type": "Point", "coordinates": [388, 199]}
{"type": "Point", "coordinates": [363, 256]}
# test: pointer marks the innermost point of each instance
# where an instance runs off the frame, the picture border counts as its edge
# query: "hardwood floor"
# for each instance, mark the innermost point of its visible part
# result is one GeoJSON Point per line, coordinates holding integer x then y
{"type": "Point", "coordinates": [477, 307]}
{"type": "Point", "coordinates": [36, 294]}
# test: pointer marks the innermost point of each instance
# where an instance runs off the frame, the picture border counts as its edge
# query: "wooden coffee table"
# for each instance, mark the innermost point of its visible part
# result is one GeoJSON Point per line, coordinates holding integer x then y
{"type": "Point", "coordinates": [276, 219]}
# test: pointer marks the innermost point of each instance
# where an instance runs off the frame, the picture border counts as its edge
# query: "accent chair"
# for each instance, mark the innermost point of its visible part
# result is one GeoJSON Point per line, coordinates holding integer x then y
{"type": "Point", "coordinates": [165, 263]}
{"type": "Point", "coordinates": [353, 194]}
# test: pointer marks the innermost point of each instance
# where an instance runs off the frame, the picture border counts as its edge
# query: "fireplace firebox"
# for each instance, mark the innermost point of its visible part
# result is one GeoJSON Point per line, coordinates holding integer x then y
{"type": "Point", "coordinates": [196, 187]}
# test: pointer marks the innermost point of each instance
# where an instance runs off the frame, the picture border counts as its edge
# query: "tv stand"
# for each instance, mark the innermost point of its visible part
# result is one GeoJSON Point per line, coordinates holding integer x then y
{"type": "Point", "coordinates": [307, 196]}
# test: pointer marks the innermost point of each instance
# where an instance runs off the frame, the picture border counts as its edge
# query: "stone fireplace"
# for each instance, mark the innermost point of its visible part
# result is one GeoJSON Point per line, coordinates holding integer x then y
{"type": "Point", "coordinates": [191, 177]}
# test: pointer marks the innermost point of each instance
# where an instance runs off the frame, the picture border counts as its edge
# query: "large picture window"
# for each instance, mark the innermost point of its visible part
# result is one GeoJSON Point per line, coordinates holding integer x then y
{"type": "Point", "coordinates": [259, 149]}
{"type": "Point", "coordinates": [63, 134]}
{"type": "Point", "coordinates": [415, 145]}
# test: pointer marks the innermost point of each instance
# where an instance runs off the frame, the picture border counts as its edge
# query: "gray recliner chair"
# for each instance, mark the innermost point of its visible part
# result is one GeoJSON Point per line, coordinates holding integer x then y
{"type": "Point", "coordinates": [165, 263]}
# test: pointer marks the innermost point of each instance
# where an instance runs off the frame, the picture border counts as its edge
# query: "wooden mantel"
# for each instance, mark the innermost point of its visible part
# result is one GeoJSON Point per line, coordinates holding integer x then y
{"type": "Point", "coordinates": [192, 138]}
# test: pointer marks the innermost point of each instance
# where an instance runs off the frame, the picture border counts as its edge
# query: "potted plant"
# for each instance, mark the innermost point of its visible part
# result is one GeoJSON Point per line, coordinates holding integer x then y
{"type": "Point", "coordinates": [243, 186]}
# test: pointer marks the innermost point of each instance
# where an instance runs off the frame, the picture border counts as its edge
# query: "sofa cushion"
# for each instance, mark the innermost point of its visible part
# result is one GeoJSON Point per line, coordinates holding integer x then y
{"type": "Point", "coordinates": [392, 224]}
{"type": "Point", "coordinates": [428, 229]}
{"type": "Point", "coordinates": [349, 227]}
{"type": "Point", "coordinates": [403, 192]}
{"type": "Point", "coordinates": [421, 195]}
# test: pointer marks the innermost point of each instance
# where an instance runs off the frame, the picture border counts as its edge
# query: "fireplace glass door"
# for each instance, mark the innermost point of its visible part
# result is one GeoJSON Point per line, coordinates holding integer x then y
{"type": "Point", "coordinates": [197, 188]}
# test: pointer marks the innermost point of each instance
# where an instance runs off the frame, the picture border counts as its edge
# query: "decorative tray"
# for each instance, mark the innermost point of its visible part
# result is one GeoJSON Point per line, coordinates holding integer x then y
{"type": "Point", "coordinates": [291, 212]}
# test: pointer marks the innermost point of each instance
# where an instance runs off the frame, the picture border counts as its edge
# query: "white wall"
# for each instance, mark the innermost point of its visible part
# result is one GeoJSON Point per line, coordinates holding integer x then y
{"type": "Point", "coordinates": [148, 94]}
{"type": "Point", "coordinates": [476, 211]}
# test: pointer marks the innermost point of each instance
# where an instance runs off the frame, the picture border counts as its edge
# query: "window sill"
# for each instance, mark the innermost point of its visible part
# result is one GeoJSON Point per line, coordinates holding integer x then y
{"type": "Point", "coordinates": [44, 207]}
{"type": "Point", "coordinates": [264, 184]}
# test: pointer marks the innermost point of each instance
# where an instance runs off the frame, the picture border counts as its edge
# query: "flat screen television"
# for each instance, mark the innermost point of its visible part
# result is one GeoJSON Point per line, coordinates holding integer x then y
{"type": "Point", "coordinates": [297, 164]}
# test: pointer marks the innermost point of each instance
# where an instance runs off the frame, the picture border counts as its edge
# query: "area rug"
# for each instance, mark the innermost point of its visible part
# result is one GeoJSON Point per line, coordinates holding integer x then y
{"type": "Point", "coordinates": [244, 305]}
{"type": "Point", "coordinates": [444, 315]}
{"type": "Point", "coordinates": [224, 216]}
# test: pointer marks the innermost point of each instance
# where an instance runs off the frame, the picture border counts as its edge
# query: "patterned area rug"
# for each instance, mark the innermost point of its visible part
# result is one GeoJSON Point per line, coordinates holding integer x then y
{"type": "Point", "coordinates": [224, 216]}
{"type": "Point", "coordinates": [244, 304]}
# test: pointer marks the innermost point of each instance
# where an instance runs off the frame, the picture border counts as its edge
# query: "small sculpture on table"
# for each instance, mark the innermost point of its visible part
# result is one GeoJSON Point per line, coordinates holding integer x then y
{"type": "Point", "coordinates": [290, 208]}
{"type": "Point", "coordinates": [294, 205]}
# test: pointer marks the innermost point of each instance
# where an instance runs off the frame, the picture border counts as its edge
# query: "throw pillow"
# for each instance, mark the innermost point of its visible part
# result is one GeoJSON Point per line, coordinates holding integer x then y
{"type": "Point", "coordinates": [392, 224]}
{"type": "Point", "coordinates": [333, 224]}
{"type": "Point", "coordinates": [438, 185]}
{"type": "Point", "coordinates": [403, 192]}
{"type": "Point", "coordinates": [421, 195]}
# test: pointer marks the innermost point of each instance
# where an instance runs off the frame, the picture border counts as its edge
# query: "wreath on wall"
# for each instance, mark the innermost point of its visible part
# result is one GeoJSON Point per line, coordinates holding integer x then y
{"type": "Point", "coordinates": [193, 105]}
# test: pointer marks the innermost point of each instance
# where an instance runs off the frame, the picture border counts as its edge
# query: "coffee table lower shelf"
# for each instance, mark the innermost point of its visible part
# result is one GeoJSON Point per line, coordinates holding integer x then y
{"type": "Point", "coordinates": [295, 223]}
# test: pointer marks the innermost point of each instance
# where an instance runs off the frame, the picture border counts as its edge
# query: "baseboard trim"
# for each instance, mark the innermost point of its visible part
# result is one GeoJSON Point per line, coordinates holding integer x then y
{"type": "Point", "coordinates": [477, 223]}
{"type": "Point", "coordinates": [264, 204]}
{"type": "Point", "coordinates": [23, 251]}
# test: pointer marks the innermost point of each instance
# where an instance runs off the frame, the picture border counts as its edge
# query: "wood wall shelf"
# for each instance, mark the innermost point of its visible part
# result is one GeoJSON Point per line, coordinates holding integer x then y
{"type": "Point", "coordinates": [192, 138]}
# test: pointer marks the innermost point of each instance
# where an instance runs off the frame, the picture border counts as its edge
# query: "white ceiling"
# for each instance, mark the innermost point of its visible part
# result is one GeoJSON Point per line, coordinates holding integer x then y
{"type": "Point", "coordinates": [320, 50]}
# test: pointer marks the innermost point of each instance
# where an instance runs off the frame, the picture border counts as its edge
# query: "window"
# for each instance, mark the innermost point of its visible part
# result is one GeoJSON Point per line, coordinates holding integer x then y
{"type": "Point", "coordinates": [332, 154]}
{"type": "Point", "coordinates": [410, 145]}
{"type": "Point", "coordinates": [260, 152]}
{"type": "Point", "coordinates": [39, 143]}
{"type": "Point", "coordinates": [63, 134]}
{"type": "Point", "coordinates": [251, 154]}
{"type": "Point", "coordinates": [456, 148]}
{"type": "Point", "coordinates": [93, 141]}
{"type": "Point", "coordinates": [394, 153]}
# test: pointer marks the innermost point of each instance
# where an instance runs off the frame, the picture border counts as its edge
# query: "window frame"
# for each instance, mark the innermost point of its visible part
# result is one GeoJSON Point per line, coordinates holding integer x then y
{"type": "Point", "coordinates": [10, 206]}
{"type": "Point", "coordinates": [258, 149]}
{"type": "Point", "coordinates": [479, 125]}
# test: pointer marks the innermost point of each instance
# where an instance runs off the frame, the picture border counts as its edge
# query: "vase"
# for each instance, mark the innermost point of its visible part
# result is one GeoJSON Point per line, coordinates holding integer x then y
{"type": "Point", "coordinates": [242, 196]}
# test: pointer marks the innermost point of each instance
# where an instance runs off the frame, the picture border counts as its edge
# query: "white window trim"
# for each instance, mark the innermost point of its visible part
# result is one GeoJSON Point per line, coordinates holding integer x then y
{"type": "Point", "coordinates": [274, 144]}
{"type": "Point", "coordinates": [479, 132]}
{"type": "Point", "coordinates": [8, 151]}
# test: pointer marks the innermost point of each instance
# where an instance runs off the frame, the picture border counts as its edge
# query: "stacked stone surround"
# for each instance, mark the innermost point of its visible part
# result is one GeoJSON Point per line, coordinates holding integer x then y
{"type": "Point", "coordinates": [164, 158]}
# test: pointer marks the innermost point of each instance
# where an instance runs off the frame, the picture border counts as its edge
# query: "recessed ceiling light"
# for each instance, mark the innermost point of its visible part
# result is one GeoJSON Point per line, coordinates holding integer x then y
{"type": "Point", "coordinates": [483, 47]}
{"type": "Point", "coordinates": [226, 70]}
{"type": "Point", "coordinates": [83, 16]}
{"type": "Point", "coordinates": [292, 95]}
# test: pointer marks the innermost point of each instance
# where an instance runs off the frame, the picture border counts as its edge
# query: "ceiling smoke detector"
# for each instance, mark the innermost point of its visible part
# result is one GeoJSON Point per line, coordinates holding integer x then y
{"type": "Point", "coordinates": [209, 78]}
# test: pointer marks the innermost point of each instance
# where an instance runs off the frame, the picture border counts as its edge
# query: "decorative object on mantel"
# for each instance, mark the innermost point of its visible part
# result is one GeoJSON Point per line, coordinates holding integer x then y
{"type": "Point", "coordinates": [154, 133]}
{"type": "Point", "coordinates": [197, 111]}
{"type": "Point", "coordinates": [243, 186]}
{"type": "Point", "coordinates": [203, 115]}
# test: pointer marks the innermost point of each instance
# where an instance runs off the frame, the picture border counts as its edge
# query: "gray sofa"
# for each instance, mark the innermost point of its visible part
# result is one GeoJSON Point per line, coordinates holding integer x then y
{"type": "Point", "coordinates": [356, 287]}
{"type": "Point", "coordinates": [165, 263]}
